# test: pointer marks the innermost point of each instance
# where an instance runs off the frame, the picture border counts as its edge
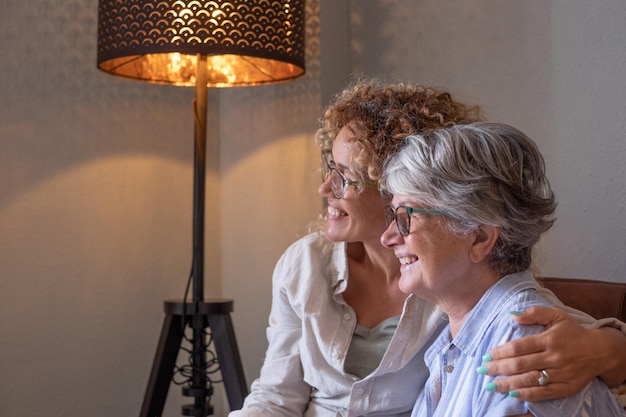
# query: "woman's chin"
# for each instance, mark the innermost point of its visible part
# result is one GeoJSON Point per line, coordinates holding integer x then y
{"type": "Point", "coordinates": [409, 281]}
{"type": "Point", "coordinates": [333, 234]}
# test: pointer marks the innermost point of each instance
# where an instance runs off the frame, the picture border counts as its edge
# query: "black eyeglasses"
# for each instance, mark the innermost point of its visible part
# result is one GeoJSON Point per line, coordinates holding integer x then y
{"type": "Point", "coordinates": [402, 216]}
{"type": "Point", "coordinates": [338, 182]}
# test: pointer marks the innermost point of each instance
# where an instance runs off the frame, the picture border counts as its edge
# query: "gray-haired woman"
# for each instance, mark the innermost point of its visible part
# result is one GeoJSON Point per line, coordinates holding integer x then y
{"type": "Point", "coordinates": [469, 203]}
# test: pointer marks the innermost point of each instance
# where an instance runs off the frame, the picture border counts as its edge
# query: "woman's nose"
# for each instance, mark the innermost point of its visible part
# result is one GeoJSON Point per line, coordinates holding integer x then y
{"type": "Point", "coordinates": [324, 188]}
{"type": "Point", "coordinates": [390, 236]}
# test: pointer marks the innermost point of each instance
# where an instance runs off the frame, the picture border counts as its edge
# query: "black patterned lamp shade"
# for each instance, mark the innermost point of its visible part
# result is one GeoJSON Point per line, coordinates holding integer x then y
{"type": "Point", "coordinates": [246, 42]}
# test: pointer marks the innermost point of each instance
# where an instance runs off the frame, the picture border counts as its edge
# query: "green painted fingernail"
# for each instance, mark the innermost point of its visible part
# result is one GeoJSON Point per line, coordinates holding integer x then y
{"type": "Point", "coordinates": [491, 387]}
{"type": "Point", "coordinates": [487, 357]}
{"type": "Point", "coordinates": [482, 370]}
{"type": "Point", "coordinates": [513, 394]}
{"type": "Point", "coordinates": [516, 313]}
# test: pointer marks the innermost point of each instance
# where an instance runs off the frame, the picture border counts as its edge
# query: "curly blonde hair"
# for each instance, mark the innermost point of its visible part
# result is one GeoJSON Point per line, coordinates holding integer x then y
{"type": "Point", "coordinates": [381, 115]}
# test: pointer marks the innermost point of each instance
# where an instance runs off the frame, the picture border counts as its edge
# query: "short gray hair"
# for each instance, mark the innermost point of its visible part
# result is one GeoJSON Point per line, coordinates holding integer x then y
{"type": "Point", "coordinates": [479, 173]}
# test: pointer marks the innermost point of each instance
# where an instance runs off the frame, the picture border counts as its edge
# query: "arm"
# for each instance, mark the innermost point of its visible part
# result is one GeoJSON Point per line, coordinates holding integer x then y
{"type": "Point", "coordinates": [572, 355]}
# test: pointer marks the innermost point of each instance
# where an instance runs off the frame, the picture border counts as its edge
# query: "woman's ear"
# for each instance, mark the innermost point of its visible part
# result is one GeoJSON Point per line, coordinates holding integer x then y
{"type": "Point", "coordinates": [485, 238]}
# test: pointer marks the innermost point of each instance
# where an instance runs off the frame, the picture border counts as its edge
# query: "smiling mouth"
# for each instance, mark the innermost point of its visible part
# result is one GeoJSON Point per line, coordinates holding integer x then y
{"type": "Point", "coordinates": [333, 212]}
{"type": "Point", "coordinates": [406, 260]}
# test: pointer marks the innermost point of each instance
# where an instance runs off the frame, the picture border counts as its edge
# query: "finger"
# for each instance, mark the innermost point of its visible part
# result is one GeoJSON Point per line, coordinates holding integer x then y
{"type": "Point", "coordinates": [524, 346]}
{"type": "Point", "coordinates": [525, 387]}
{"type": "Point", "coordinates": [517, 382]}
{"type": "Point", "coordinates": [518, 365]}
{"type": "Point", "coordinates": [546, 316]}
{"type": "Point", "coordinates": [550, 392]}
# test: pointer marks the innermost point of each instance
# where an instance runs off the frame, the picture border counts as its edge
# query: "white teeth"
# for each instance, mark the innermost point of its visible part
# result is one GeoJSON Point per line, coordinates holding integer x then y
{"type": "Point", "coordinates": [405, 260]}
{"type": "Point", "coordinates": [334, 212]}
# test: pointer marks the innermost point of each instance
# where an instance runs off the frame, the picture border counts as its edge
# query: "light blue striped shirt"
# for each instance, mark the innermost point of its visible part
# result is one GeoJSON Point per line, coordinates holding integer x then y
{"type": "Point", "coordinates": [455, 389]}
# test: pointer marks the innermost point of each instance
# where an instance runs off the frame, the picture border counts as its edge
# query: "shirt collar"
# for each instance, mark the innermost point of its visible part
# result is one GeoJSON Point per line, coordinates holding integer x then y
{"type": "Point", "coordinates": [488, 308]}
{"type": "Point", "coordinates": [482, 315]}
{"type": "Point", "coordinates": [339, 267]}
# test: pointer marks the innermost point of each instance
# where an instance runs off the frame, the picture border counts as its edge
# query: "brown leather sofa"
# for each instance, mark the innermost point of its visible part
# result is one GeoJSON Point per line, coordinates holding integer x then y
{"type": "Point", "coordinates": [599, 299]}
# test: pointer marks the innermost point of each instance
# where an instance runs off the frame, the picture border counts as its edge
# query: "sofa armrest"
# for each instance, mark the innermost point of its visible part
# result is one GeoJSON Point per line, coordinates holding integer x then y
{"type": "Point", "coordinates": [599, 299]}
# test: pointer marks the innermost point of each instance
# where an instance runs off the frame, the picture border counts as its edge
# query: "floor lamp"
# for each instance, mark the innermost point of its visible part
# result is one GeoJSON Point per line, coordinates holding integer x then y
{"type": "Point", "coordinates": [200, 43]}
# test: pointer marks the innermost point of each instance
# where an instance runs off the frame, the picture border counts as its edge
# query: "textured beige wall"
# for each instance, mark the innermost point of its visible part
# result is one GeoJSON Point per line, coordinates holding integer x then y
{"type": "Point", "coordinates": [556, 70]}
{"type": "Point", "coordinates": [96, 171]}
{"type": "Point", "coordinates": [96, 209]}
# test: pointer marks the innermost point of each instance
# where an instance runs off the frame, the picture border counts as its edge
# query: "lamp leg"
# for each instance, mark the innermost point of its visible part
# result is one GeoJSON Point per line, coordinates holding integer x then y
{"type": "Point", "coordinates": [162, 367]}
{"type": "Point", "coordinates": [215, 314]}
{"type": "Point", "coordinates": [229, 360]}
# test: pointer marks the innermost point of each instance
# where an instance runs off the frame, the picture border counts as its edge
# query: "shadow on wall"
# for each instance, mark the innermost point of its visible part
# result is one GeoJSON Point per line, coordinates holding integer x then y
{"type": "Point", "coordinates": [60, 111]}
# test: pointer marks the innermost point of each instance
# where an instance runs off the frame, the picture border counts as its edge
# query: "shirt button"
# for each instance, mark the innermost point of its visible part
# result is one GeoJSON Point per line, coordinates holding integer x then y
{"type": "Point", "coordinates": [347, 316]}
{"type": "Point", "coordinates": [360, 391]}
{"type": "Point", "coordinates": [336, 355]}
{"type": "Point", "coordinates": [449, 368]}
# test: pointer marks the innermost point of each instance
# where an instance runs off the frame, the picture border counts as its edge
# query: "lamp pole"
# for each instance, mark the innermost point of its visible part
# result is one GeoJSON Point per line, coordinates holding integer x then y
{"type": "Point", "coordinates": [200, 119]}
{"type": "Point", "coordinates": [198, 356]}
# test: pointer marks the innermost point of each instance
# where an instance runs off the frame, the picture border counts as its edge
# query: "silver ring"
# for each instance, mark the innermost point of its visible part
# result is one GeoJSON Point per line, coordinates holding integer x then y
{"type": "Point", "coordinates": [544, 378]}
